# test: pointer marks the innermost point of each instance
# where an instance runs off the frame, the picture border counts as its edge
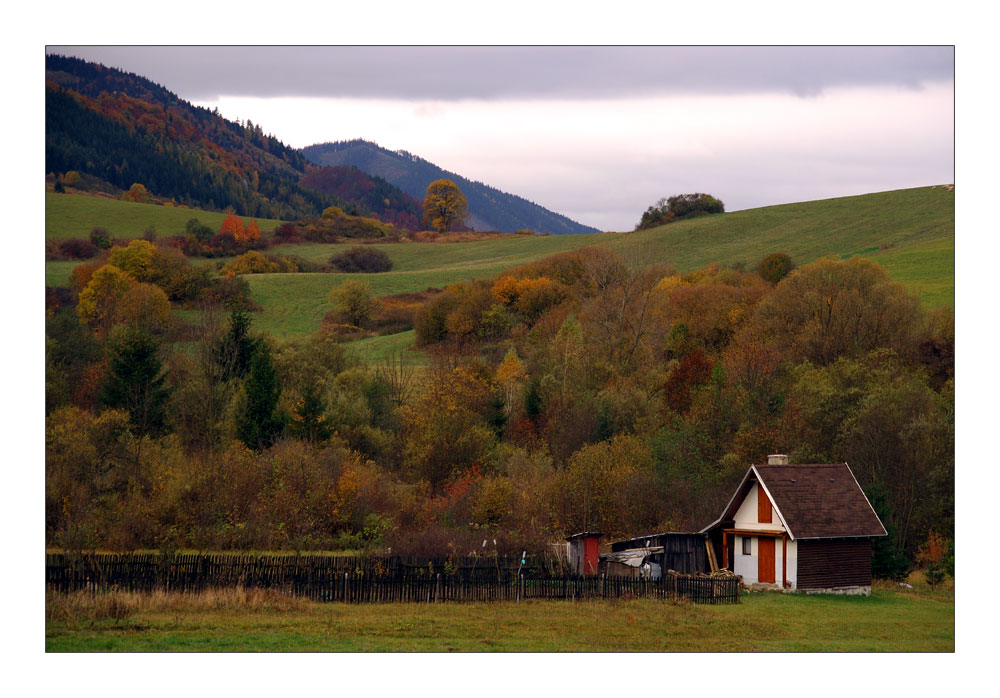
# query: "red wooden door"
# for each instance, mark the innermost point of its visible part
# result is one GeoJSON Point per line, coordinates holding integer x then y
{"type": "Point", "coordinates": [765, 560]}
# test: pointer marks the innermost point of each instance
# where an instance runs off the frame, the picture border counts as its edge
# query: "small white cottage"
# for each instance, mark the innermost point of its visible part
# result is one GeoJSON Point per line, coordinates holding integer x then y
{"type": "Point", "coordinates": [804, 527]}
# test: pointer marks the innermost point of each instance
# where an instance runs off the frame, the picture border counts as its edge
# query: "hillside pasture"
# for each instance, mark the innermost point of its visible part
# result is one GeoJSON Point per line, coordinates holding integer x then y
{"type": "Point", "coordinates": [910, 232]}
{"type": "Point", "coordinates": [73, 216]}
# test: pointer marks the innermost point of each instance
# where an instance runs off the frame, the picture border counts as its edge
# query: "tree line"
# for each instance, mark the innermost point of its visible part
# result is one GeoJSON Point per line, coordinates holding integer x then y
{"type": "Point", "coordinates": [583, 391]}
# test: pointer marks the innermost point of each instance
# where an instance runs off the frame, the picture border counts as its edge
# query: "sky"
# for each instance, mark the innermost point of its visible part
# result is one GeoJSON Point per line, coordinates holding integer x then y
{"type": "Point", "coordinates": [598, 133]}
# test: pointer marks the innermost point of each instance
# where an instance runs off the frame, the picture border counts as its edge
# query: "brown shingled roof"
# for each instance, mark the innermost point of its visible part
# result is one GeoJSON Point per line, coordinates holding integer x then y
{"type": "Point", "coordinates": [820, 501]}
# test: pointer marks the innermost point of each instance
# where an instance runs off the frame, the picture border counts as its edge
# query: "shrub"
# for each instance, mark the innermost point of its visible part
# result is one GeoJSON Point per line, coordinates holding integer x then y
{"type": "Point", "coordinates": [232, 293]}
{"type": "Point", "coordinates": [76, 248]}
{"type": "Point", "coordinates": [354, 301]}
{"type": "Point", "coordinates": [257, 263]}
{"type": "Point", "coordinates": [199, 230]}
{"type": "Point", "coordinates": [775, 267]}
{"type": "Point", "coordinates": [100, 238]}
{"type": "Point", "coordinates": [288, 232]}
{"type": "Point", "coordinates": [361, 259]}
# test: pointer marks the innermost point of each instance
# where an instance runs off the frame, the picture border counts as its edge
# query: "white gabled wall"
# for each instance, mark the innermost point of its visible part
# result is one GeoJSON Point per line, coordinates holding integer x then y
{"type": "Point", "coordinates": [746, 565]}
{"type": "Point", "coordinates": [746, 519]}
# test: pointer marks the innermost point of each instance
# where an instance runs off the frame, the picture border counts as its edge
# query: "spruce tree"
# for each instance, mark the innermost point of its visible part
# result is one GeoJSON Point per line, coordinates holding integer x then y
{"type": "Point", "coordinates": [135, 383]}
{"type": "Point", "coordinates": [258, 424]}
{"type": "Point", "coordinates": [235, 350]}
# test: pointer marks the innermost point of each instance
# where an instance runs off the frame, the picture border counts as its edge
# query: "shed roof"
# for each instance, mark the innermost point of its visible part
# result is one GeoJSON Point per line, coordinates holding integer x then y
{"type": "Point", "coordinates": [814, 501]}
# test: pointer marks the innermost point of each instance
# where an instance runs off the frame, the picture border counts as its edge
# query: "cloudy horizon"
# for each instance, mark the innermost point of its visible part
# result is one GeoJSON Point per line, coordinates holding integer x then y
{"type": "Point", "coordinates": [597, 133]}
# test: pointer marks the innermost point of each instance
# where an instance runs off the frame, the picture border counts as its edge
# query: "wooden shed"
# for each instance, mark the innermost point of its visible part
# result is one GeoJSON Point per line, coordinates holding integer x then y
{"type": "Point", "coordinates": [582, 552]}
{"type": "Point", "coordinates": [681, 552]}
{"type": "Point", "coordinates": [804, 527]}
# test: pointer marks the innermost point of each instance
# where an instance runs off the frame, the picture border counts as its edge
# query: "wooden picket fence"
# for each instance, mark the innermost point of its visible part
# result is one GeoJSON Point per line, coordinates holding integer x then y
{"type": "Point", "coordinates": [367, 580]}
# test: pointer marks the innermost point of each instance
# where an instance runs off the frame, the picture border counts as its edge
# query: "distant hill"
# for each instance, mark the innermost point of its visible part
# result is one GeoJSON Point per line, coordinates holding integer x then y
{"type": "Point", "coordinates": [489, 208]}
{"type": "Point", "coordinates": [123, 128]}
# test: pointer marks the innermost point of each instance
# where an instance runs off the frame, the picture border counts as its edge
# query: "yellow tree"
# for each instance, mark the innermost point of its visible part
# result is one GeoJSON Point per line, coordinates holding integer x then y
{"type": "Point", "coordinates": [444, 205]}
{"type": "Point", "coordinates": [509, 375]}
{"type": "Point", "coordinates": [99, 300]}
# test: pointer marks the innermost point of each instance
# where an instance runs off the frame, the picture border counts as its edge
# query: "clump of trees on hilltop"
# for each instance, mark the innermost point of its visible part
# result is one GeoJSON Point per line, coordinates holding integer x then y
{"type": "Point", "coordinates": [679, 207]}
{"type": "Point", "coordinates": [584, 391]}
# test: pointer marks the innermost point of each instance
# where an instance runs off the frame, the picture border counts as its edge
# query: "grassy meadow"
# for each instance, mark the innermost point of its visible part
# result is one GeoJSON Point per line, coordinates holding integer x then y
{"type": "Point", "coordinates": [73, 216]}
{"type": "Point", "coordinates": [910, 232]}
{"type": "Point", "coordinates": [890, 620]}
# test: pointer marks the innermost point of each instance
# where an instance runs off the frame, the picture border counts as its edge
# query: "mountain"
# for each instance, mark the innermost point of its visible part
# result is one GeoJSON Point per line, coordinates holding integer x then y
{"type": "Point", "coordinates": [123, 128]}
{"type": "Point", "coordinates": [489, 208]}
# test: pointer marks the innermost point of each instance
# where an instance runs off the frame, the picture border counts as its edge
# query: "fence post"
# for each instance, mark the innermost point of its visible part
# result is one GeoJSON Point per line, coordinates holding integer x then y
{"type": "Point", "coordinates": [604, 585]}
{"type": "Point", "coordinates": [437, 588]}
{"type": "Point", "coordinates": [345, 587]}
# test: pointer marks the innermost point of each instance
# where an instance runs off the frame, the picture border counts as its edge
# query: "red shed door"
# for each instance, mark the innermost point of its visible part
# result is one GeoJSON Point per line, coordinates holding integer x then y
{"type": "Point", "coordinates": [765, 560]}
{"type": "Point", "coordinates": [590, 555]}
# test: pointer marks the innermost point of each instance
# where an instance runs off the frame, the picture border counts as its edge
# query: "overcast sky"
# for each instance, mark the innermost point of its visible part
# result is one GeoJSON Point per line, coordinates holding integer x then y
{"type": "Point", "coordinates": [598, 134]}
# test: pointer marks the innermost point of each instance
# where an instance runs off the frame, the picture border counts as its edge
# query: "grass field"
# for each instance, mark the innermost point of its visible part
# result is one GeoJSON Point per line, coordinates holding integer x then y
{"type": "Point", "coordinates": [73, 216]}
{"type": "Point", "coordinates": [890, 620]}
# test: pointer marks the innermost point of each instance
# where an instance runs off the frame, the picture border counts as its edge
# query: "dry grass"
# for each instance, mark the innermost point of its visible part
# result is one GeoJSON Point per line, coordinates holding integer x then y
{"type": "Point", "coordinates": [83, 606]}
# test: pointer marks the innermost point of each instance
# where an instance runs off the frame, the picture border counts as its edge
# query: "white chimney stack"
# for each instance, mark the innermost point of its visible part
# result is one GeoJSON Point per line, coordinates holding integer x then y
{"type": "Point", "coordinates": [777, 459]}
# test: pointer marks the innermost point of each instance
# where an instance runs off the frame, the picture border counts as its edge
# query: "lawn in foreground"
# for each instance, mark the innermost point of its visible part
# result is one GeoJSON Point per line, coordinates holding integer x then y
{"type": "Point", "coordinates": [888, 621]}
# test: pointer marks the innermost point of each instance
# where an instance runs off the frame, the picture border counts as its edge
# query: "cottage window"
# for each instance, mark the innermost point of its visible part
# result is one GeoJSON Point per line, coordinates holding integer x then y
{"type": "Point", "coordinates": [746, 545]}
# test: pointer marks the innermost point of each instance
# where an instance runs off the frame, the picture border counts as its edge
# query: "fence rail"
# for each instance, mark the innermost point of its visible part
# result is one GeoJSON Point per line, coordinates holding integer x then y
{"type": "Point", "coordinates": [366, 580]}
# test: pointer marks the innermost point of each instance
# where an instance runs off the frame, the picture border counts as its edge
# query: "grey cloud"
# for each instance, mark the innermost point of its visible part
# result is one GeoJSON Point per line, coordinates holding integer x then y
{"type": "Point", "coordinates": [449, 73]}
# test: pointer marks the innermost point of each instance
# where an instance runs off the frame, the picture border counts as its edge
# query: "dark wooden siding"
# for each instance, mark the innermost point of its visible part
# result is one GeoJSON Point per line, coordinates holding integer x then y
{"type": "Point", "coordinates": [832, 563]}
{"type": "Point", "coordinates": [682, 552]}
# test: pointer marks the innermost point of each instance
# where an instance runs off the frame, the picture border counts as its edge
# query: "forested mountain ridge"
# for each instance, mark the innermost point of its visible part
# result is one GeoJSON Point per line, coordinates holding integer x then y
{"type": "Point", "coordinates": [124, 129]}
{"type": "Point", "coordinates": [489, 208]}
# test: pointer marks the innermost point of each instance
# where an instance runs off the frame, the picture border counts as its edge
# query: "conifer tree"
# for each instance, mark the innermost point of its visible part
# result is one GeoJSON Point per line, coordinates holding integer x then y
{"type": "Point", "coordinates": [258, 424]}
{"type": "Point", "coordinates": [135, 383]}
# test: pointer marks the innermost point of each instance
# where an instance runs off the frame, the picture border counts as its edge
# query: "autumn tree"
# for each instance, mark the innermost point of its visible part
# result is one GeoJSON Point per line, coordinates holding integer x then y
{"type": "Point", "coordinates": [618, 314]}
{"type": "Point", "coordinates": [656, 215]}
{"type": "Point", "coordinates": [101, 296]}
{"type": "Point", "coordinates": [834, 308]}
{"type": "Point", "coordinates": [250, 233]}
{"type": "Point", "coordinates": [510, 373]}
{"type": "Point", "coordinates": [444, 205]}
{"type": "Point", "coordinates": [444, 429]}
{"type": "Point", "coordinates": [308, 416]}
{"type": "Point", "coordinates": [137, 193]}
{"type": "Point", "coordinates": [775, 267]}
{"type": "Point", "coordinates": [136, 259]}
{"type": "Point", "coordinates": [353, 299]}
{"type": "Point", "coordinates": [232, 225]}
{"type": "Point", "coordinates": [145, 306]}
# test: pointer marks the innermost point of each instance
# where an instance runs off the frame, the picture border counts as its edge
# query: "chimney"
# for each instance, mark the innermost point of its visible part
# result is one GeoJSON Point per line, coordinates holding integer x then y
{"type": "Point", "coordinates": [777, 459]}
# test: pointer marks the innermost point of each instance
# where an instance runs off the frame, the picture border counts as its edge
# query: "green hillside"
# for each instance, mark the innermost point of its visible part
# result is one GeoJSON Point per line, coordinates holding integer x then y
{"type": "Point", "coordinates": [909, 231]}
{"type": "Point", "coordinates": [69, 216]}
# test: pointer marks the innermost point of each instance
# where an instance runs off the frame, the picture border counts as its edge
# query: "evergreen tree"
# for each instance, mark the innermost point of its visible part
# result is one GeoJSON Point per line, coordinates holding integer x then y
{"type": "Point", "coordinates": [135, 383]}
{"type": "Point", "coordinates": [236, 348]}
{"type": "Point", "coordinates": [258, 424]}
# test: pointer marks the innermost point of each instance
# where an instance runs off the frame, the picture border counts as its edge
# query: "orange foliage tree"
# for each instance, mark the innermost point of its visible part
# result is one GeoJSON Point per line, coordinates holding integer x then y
{"type": "Point", "coordinates": [233, 225]}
